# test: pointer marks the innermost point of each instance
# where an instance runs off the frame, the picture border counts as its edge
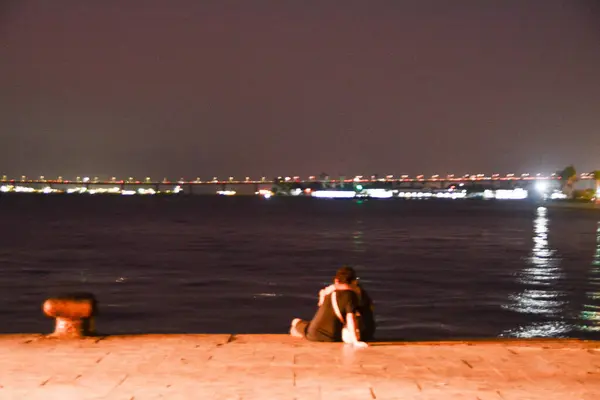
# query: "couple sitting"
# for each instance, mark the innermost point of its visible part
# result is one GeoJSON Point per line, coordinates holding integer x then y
{"type": "Point", "coordinates": [345, 313]}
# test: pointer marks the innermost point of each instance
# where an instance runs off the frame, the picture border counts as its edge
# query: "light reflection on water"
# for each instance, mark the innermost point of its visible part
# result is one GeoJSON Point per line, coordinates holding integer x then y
{"type": "Point", "coordinates": [591, 310]}
{"type": "Point", "coordinates": [540, 295]}
{"type": "Point", "coordinates": [545, 266]}
{"type": "Point", "coordinates": [358, 238]}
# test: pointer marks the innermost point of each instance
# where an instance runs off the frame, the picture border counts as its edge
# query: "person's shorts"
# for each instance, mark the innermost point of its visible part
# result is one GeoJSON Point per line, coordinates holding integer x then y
{"type": "Point", "coordinates": [301, 327]}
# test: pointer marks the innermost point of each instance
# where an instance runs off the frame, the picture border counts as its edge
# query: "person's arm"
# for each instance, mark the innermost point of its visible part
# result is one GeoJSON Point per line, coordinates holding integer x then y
{"type": "Point", "coordinates": [350, 306]}
{"type": "Point", "coordinates": [324, 292]}
{"type": "Point", "coordinates": [351, 326]}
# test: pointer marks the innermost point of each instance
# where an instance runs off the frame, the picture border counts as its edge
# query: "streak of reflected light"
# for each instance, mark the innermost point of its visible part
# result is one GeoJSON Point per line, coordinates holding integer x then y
{"type": "Point", "coordinates": [537, 297]}
{"type": "Point", "coordinates": [590, 315]}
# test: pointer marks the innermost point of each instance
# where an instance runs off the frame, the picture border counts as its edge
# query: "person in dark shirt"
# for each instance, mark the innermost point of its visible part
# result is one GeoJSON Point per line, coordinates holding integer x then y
{"type": "Point", "coordinates": [327, 325]}
{"type": "Point", "coordinates": [365, 311]}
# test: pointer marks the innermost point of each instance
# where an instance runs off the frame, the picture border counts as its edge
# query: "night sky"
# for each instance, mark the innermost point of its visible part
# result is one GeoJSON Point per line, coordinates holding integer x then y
{"type": "Point", "coordinates": [216, 88]}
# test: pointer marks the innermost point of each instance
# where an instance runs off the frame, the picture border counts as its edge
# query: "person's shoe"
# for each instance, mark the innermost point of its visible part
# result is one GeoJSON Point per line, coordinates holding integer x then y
{"type": "Point", "coordinates": [293, 330]}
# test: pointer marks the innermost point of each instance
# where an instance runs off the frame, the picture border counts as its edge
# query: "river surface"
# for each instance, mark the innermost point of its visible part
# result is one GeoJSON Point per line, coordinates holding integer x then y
{"type": "Point", "coordinates": [207, 264]}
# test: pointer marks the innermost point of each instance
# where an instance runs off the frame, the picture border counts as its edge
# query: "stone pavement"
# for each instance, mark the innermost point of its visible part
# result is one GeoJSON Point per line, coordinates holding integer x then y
{"type": "Point", "coordinates": [281, 367]}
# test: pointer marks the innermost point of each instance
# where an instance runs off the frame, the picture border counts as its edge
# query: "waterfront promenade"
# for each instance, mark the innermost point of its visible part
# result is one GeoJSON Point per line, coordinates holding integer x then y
{"type": "Point", "coordinates": [280, 367]}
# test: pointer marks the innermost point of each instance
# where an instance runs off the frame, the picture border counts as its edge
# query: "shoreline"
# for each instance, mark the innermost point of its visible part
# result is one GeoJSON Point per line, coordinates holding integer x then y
{"type": "Point", "coordinates": [573, 205]}
{"type": "Point", "coordinates": [190, 366]}
{"type": "Point", "coordinates": [232, 337]}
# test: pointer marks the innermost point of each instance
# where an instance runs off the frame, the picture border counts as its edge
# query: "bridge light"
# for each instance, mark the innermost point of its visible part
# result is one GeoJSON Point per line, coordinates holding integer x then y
{"type": "Point", "coordinates": [148, 179]}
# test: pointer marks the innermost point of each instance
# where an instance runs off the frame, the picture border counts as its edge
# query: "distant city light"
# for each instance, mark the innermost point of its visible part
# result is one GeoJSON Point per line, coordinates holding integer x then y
{"type": "Point", "coordinates": [333, 194]}
{"type": "Point", "coordinates": [516, 194]}
{"type": "Point", "coordinates": [541, 186]}
{"type": "Point", "coordinates": [146, 191]}
{"type": "Point", "coordinates": [379, 193]}
{"type": "Point", "coordinates": [266, 193]}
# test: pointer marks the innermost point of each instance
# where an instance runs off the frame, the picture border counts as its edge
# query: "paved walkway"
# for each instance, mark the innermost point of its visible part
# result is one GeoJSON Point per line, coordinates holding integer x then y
{"type": "Point", "coordinates": [281, 367]}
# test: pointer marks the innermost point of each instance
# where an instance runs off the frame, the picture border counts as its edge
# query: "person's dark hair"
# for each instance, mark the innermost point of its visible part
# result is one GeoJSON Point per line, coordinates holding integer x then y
{"type": "Point", "coordinates": [345, 275]}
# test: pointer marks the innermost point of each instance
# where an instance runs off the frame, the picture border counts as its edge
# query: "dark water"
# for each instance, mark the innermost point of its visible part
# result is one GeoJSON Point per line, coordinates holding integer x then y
{"type": "Point", "coordinates": [436, 269]}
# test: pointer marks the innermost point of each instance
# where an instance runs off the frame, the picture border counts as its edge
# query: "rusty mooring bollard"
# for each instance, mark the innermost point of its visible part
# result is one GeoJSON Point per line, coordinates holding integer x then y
{"type": "Point", "coordinates": [74, 314]}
